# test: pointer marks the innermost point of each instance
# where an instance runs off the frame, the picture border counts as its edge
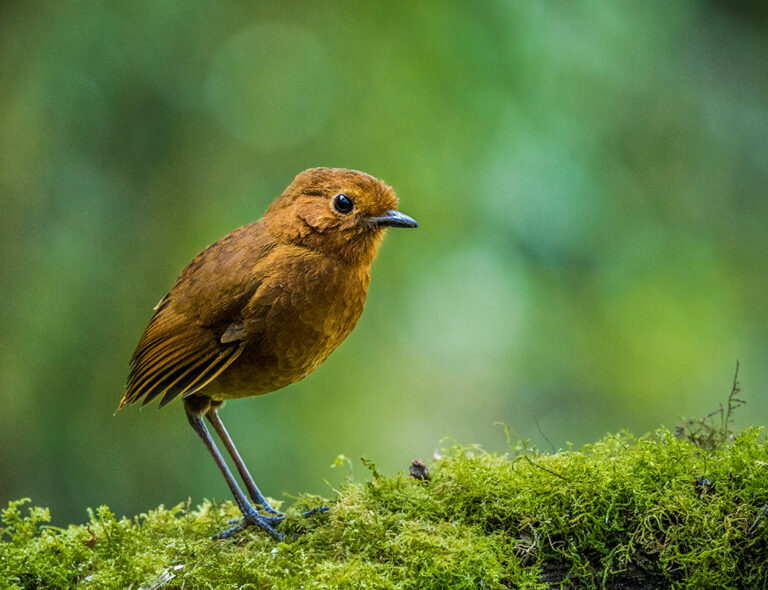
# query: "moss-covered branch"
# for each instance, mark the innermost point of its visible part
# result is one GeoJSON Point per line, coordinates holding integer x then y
{"type": "Point", "coordinates": [653, 512]}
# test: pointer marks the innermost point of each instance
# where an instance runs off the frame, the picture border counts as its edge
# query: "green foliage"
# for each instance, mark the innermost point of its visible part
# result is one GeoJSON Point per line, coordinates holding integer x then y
{"type": "Point", "coordinates": [624, 512]}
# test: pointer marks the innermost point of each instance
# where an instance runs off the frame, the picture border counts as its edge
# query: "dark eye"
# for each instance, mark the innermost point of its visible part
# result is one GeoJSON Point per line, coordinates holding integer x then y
{"type": "Point", "coordinates": [342, 203]}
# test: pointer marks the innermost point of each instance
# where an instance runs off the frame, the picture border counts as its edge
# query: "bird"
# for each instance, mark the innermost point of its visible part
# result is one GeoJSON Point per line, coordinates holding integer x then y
{"type": "Point", "coordinates": [262, 308]}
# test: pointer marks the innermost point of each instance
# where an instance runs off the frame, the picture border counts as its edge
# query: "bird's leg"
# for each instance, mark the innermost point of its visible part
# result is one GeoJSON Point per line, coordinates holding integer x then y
{"type": "Point", "coordinates": [213, 417]}
{"type": "Point", "coordinates": [253, 490]}
{"type": "Point", "coordinates": [195, 406]}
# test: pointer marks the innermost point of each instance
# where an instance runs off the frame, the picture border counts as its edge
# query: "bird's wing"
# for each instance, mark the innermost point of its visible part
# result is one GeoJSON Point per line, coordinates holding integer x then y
{"type": "Point", "coordinates": [177, 361]}
{"type": "Point", "coordinates": [196, 331]}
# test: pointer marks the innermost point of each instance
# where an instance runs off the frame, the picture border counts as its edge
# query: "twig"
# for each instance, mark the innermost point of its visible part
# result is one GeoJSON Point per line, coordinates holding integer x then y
{"type": "Point", "coordinates": [541, 432]}
{"type": "Point", "coordinates": [532, 462]}
{"type": "Point", "coordinates": [733, 401]}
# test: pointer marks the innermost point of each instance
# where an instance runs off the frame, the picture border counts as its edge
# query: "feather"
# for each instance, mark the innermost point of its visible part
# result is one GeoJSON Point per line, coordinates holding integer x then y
{"type": "Point", "coordinates": [202, 376]}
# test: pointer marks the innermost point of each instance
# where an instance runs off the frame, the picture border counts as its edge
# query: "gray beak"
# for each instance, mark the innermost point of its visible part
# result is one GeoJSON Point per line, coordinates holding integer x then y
{"type": "Point", "coordinates": [394, 219]}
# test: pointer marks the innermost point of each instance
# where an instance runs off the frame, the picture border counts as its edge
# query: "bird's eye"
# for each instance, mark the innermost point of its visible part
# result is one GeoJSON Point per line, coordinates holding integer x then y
{"type": "Point", "coordinates": [342, 203]}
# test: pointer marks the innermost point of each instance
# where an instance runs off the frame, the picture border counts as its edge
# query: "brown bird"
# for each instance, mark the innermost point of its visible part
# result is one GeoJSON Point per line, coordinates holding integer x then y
{"type": "Point", "coordinates": [263, 307]}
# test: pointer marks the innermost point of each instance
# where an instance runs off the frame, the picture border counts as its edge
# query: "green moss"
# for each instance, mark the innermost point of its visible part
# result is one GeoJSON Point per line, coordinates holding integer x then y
{"type": "Point", "coordinates": [625, 512]}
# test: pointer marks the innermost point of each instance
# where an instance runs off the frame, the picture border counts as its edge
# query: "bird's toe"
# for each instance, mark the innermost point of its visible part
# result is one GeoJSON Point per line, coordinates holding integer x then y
{"type": "Point", "coordinates": [253, 518]}
{"type": "Point", "coordinates": [313, 511]}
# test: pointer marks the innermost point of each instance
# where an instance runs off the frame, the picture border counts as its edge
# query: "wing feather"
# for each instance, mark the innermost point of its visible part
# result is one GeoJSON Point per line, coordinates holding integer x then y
{"type": "Point", "coordinates": [182, 363]}
{"type": "Point", "coordinates": [182, 373]}
{"type": "Point", "coordinates": [196, 331]}
{"type": "Point", "coordinates": [145, 365]}
{"type": "Point", "coordinates": [197, 380]}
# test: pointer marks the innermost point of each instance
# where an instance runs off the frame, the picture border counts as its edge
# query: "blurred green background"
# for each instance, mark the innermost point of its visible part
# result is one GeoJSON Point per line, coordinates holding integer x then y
{"type": "Point", "coordinates": [590, 179]}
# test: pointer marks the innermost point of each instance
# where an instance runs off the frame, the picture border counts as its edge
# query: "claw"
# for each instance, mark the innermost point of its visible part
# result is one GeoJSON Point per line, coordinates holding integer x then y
{"type": "Point", "coordinates": [271, 510]}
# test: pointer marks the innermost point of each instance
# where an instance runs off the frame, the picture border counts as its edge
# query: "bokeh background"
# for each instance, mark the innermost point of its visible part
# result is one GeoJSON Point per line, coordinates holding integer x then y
{"type": "Point", "coordinates": [590, 179]}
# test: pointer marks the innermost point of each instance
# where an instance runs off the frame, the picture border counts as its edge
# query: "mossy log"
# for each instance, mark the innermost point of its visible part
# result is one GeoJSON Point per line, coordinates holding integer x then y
{"type": "Point", "coordinates": [657, 511]}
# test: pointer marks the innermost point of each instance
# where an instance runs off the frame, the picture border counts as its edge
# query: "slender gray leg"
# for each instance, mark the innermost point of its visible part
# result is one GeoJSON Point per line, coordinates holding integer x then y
{"type": "Point", "coordinates": [213, 417]}
{"type": "Point", "coordinates": [250, 516]}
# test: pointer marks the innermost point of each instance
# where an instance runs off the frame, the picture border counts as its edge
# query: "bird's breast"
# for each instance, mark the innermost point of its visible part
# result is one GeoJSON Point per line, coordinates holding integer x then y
{"type": "Point", "coordinates": [300, 313]}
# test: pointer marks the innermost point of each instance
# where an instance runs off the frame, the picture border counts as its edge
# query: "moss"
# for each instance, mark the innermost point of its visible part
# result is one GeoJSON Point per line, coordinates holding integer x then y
{"type": "Point", "coordinates": [624, 512]}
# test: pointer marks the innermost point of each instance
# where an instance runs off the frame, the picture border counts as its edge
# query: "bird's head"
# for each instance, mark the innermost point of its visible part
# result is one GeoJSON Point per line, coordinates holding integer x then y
{"type": "Point", "coordinates": [339, 212]}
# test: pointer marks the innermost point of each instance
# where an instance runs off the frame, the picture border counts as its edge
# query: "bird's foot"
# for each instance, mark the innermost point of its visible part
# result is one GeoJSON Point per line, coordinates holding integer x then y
{"type": "Point", "coordinates": [273, 518]}
{"type": "Point", "coordinates": [280, 516]}
{"type": "Point", "coordinates": [253, 518]}
{"type": "Point", "coordinates": [266, 522]}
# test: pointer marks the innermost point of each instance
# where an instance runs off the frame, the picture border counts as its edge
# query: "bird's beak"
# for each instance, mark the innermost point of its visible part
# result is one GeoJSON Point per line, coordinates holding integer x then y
{"type": "Point", "coordinates": [393, 219]}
